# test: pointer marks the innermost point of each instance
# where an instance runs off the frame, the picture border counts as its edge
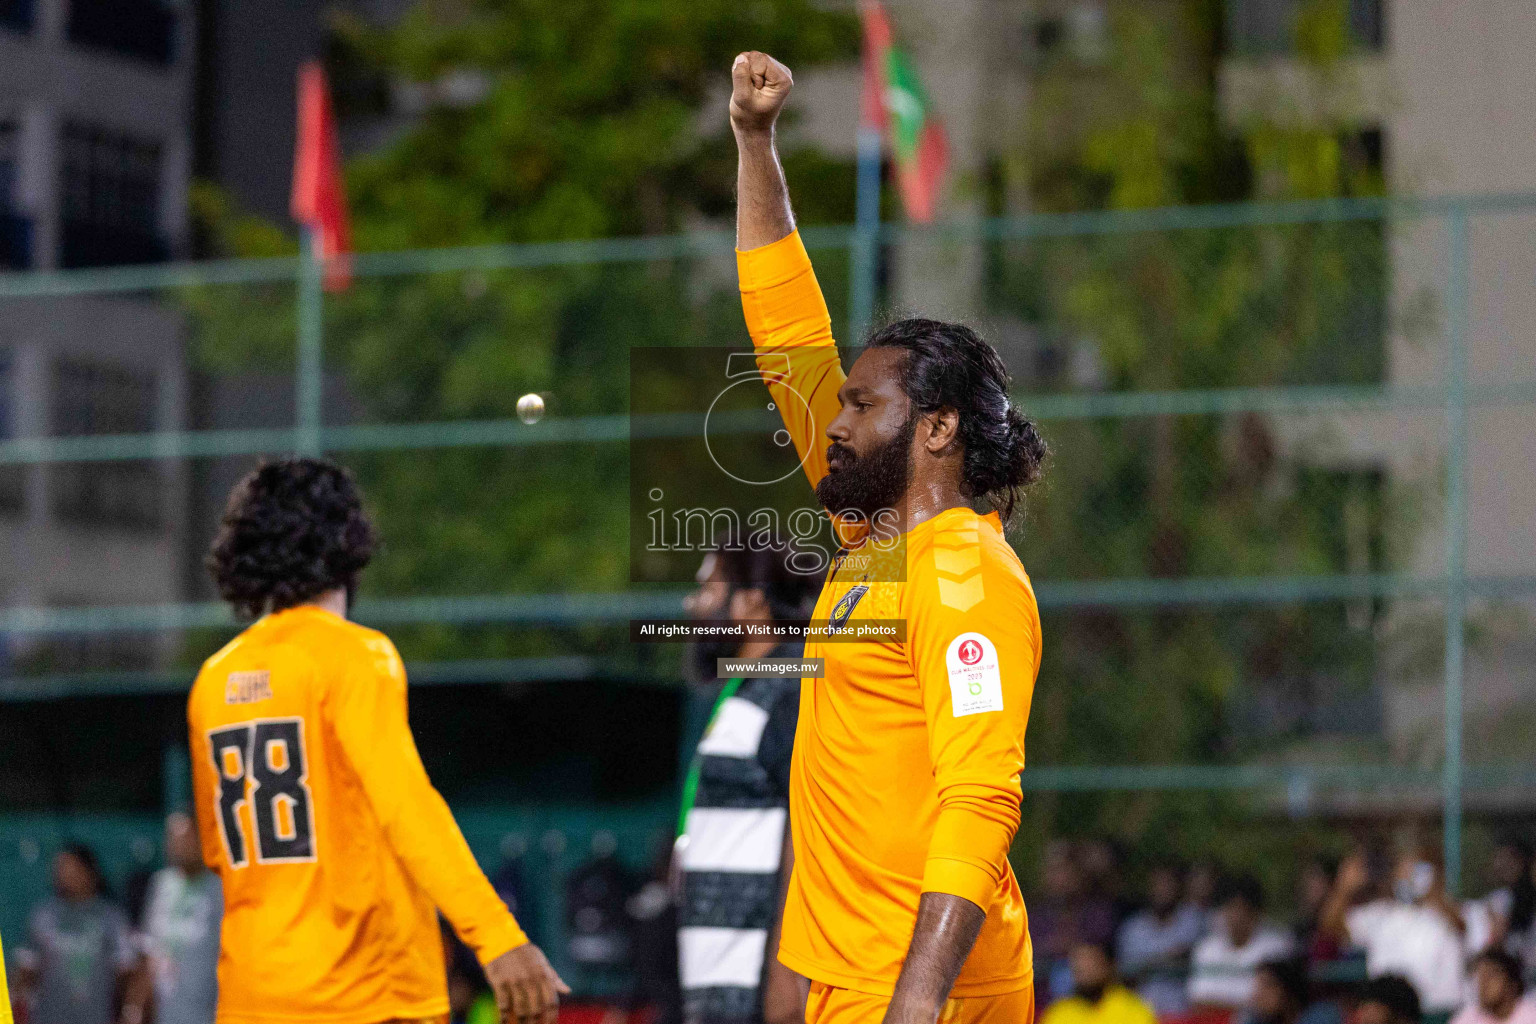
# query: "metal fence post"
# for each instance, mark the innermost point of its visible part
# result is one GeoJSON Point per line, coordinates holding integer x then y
{"type": "Point", "coordinates": [1455, 536]}
{"type": "Point", "coordinates": [865, 268]}
{"type": "Point", "coordinates": [311, 348]}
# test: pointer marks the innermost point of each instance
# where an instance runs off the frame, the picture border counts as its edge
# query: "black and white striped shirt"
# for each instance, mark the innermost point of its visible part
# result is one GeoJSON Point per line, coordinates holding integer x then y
{"type": "Point", "coordinates": [735, 837]}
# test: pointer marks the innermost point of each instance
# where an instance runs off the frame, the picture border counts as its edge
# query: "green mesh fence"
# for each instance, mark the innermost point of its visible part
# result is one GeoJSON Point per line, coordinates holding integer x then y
{"type": "Point", "coordinates": [1283, 550]}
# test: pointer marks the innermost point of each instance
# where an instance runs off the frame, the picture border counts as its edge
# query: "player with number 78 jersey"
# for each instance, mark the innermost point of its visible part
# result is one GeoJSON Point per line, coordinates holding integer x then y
{"type": "Point", "coordinates": [334, 849]}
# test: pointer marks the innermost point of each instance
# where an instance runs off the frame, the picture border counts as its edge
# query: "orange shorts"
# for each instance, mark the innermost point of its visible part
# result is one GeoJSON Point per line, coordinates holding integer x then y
{"type": "Point", "coordinates": [828, 1005]}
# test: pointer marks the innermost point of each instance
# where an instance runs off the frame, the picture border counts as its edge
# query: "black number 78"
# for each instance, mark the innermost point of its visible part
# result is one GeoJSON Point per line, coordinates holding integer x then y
{"type": "Point", "coordinates": [266, 756]}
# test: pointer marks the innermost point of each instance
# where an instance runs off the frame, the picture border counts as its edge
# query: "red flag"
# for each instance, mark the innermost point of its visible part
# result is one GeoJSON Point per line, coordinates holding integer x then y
{"type": "Point", "coordinates": [877, 44]}
{"type": "Point", "coordinates": [894, 101]}
{"type": "Point", "coordinates": [319, 198]}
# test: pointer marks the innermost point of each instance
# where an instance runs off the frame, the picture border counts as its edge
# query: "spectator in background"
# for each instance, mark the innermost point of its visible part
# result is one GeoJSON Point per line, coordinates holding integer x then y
{"type": "Point", "coordinates": [1283, 995]}
{"type": "Point", "coordinates": [1498, 988]}
{"type": "Point", "coordinates": [1226, 960]}
{"type": "Point", "coordinates": [1097, 997]}
{"type": "Point", "coordinates": [79, 963]}
{"type": "Point", "coordinates": [1416, 933]}
{"type": "Point", "coordinates": [182, 911]}
{"type": "Point", "coordinates": [1104, 879]}
{"type": "Point", "coordinates": [1200, 892]}
{"type": "Point", "coordinates": [1503, 919]}
{"type": "Point", "coordinates": [1313, 887]}
{"type": "Point", "coordinates": [1062, 918]}
{"type": "Point", "coordinates": [1388, 999]}
{"type": "Point", "coordinates": [1155, 945]}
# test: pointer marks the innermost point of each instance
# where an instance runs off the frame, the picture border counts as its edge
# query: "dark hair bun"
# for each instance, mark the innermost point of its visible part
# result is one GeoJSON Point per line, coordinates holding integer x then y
{"type": "Point", "coordinates": [1027, 450]}
{"type": "Point", "coordinates": [1003, 455]}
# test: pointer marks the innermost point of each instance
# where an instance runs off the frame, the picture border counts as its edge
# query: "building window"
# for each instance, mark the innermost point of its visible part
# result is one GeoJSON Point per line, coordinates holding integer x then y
{"type": "Point", "coordinates": [1367, 23]}
{"type": "Point", "coordinates": [10, 156]}
{"type": "Point", "coordinates": [1260, 27]}
{"type": "Point", "coordinates": [134, 28]}
{"type": "Point", "coordinates": [16, 15]}
{"type": "Point", "coordinates": [111, 198]}
{"type": "Point", "coordinates": [94, 398]}
{"type": "Point", "coordinates": [15, 230]}
{"type": "Point", "coordinates": [12, 477]}
{"type": "Point", "coordinates": [1079, 32]}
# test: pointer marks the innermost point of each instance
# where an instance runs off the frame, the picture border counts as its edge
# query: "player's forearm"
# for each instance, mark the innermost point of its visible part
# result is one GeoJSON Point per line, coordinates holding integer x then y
{"type": "Point", "coordinates": [785, 310]}
{"type": "Point", "coordinates": [763, 213]}
{"type": "Point", "coordinates": [421, 831]}
{"type": "Point", "coordinates": [968, 853]}
{"type": "Point", "coordinates": [946, 930]}
{"type": "Point", "coordinates": [792, 334]}
{"type": "Point", "coordinates": [435, 853]}
{"type": "Point", "coordinates": [370, 724]}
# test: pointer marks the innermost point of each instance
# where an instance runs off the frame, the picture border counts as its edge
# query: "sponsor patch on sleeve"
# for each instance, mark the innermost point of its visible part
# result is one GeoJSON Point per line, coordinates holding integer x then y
{"type": "Point", "coordinates": [975, 683]}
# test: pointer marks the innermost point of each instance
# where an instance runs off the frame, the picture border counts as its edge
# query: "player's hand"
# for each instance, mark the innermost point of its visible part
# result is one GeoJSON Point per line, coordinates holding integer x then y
{"type": "Point", "coordinates": [759, 87]}
{"type": "Point", "coordinates": [527, 989]}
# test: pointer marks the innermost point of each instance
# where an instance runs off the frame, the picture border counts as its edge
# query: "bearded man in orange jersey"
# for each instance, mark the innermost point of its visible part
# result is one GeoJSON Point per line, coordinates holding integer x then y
{"type": "Point", "coordinates": [335, 851]}
{"type": "Point", "coordinates": [904, 790]}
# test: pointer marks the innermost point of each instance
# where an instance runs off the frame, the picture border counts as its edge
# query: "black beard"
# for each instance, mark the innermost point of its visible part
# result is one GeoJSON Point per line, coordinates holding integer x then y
{"type": "Point", "coordinates": [870, 482]}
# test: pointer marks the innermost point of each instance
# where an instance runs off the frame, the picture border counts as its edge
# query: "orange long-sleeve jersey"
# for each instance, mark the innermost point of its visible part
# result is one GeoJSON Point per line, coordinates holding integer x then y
{"type": "Point", "coordinates": [333, 846]}
{"type": "Point", "coordinates": [905, 777]}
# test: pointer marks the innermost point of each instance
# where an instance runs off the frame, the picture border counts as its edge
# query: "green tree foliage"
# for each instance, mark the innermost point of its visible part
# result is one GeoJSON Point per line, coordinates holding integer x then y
{"type": "Point", "coordinates": [552, 120]}
{"type": "Point", "coordinates": [1168, 497]}
{"type": "Point", "coordinates": [590, 125]}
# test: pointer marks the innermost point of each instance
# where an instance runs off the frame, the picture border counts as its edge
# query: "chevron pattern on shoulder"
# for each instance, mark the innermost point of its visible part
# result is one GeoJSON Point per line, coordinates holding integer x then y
{"type": "Point", "coordinates": [957, 560]}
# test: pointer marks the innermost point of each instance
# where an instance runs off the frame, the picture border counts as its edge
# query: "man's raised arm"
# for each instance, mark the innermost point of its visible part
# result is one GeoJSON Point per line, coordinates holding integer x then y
{"type": "Point", "coordinates": [759, 87]}
{"type": "Point", "coordinates": [786, 314]}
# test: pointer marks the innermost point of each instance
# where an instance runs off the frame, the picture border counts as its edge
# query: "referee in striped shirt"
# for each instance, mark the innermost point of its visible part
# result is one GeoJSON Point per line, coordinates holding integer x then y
{"type": "Point", "coordinates": [734, 848]}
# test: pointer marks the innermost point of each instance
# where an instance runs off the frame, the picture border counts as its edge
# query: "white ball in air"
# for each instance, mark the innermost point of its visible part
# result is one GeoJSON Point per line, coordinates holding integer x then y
{"type": "Point", "coordinates": [530, 408]}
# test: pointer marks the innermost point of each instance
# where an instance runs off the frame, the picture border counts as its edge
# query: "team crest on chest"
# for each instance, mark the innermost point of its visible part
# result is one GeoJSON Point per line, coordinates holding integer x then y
{"type": "Point", "coordinates": [844, 607]}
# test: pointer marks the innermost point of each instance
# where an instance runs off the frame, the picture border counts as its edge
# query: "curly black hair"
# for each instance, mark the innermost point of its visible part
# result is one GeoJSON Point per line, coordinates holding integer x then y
{"type": "Point", "coordinates": [293, 529]}
{"type": "Point", "coordinates": [949, 366]}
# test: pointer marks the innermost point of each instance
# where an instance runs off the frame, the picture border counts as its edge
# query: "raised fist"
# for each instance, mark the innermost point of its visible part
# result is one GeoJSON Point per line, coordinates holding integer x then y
{"type": "Point", "coordinates": [759, 87]}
